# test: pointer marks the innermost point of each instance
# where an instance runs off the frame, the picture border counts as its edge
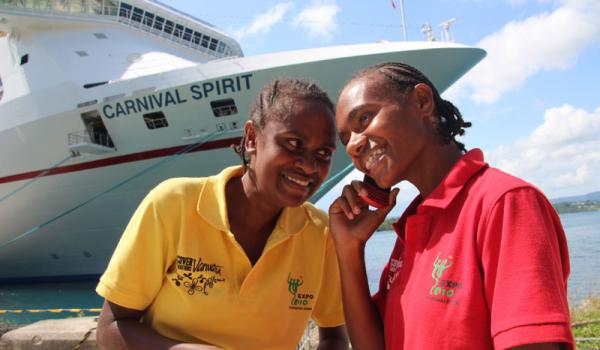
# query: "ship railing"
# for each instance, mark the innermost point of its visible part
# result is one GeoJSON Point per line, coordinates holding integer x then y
{"type": "Point", "coordinates": [84, 136]}
{"type": "Point", "coordinates": [93, 9]}
{"type": "Point", "coordinates": [224, 110]}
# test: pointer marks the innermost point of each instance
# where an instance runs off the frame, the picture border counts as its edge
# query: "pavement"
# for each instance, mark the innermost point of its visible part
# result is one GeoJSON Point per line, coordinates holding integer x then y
{"type": "Point", "coordinates": [58, 334]}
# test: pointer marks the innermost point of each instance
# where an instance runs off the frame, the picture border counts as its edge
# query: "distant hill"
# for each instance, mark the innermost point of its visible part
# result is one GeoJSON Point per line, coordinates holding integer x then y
{"type": "Point", "coordinates": [594, 196]}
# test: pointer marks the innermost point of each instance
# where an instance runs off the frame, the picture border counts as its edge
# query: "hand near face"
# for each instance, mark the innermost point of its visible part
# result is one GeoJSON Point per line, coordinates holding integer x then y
{"type": "Point", "coordinates": [350, 219]}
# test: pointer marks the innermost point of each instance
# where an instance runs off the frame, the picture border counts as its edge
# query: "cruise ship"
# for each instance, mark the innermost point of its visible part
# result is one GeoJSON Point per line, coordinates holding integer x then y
{"type": "Point", "coordinates": [100, 100]}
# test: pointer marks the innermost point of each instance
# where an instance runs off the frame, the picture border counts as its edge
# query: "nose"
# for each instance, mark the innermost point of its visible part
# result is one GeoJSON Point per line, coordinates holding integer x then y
{"type": "Point", "coordinates": [307, 162]}
{"type": "Point", "coordinates": [355, 144]}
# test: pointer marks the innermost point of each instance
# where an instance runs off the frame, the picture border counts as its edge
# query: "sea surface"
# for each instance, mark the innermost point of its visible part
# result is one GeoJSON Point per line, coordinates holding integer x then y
{"type": "Point", "coordinates": [583, 236]}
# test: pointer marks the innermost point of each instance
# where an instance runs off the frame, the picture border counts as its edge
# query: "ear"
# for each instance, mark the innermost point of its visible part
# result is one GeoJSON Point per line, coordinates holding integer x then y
{"type": "Point", "coordinates": [250, 137]}
{"type": "Point", "coordinates": [424, 98]}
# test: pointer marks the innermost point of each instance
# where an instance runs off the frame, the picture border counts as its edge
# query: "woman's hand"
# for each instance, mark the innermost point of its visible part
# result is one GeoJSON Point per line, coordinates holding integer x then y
{"type": "Point", "coordinates": [350, 219]}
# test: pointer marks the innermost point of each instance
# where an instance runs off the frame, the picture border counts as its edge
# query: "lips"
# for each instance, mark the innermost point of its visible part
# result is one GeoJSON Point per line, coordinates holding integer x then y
{"type": "Point", "coordinates": [299, 181]}
{"type": "Point", "coordinates": [373, 158]}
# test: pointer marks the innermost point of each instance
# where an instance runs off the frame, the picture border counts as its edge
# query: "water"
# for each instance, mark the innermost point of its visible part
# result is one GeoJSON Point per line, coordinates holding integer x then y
{"type": "Point", "coordinates": [583, 236]}
{"type": "Point", "coordinates": [67, 295]}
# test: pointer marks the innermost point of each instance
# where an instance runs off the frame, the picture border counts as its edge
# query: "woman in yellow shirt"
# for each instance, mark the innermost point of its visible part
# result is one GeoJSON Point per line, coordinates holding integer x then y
{"type": "Point", "coordinates": [193, 271]}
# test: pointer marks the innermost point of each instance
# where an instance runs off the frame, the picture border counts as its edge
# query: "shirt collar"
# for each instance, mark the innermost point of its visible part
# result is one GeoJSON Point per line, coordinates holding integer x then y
{"type": "Point", "coordinates": [464, 169]}
{"type": "Point", "coordinates": [212, 206]}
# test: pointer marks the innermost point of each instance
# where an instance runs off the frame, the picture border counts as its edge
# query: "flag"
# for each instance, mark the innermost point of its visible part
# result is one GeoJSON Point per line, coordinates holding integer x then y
{"type": "Point", "coordinates": [393, 4]}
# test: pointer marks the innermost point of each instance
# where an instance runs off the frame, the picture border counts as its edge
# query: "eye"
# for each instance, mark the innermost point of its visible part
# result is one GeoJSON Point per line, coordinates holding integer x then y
{"type": "Point", "coordinates": [324, 154]}
{"type": "Point", "coordinates": [294, 143]}
{"type": "Point", "coordinates": [364, 119]}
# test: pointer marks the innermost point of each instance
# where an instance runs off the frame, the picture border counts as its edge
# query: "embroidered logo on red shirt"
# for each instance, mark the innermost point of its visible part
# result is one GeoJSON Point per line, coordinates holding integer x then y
{"type": "Point", "coordinates": [394, 271]}
{"type": "Point", "coordinates": [443, 290]}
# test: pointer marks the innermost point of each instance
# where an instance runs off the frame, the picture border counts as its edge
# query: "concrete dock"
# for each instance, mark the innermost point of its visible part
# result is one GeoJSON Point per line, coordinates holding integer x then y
{"type": "Point", "coordinates": [61, 334]}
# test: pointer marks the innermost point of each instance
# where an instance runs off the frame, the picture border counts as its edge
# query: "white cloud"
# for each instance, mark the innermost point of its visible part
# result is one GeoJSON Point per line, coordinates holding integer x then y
{"type": "Point", "coordinates": [547, 41]}
{"type": "Point", "coordinates": [318, 19]}
{"type": "Point", "coordinates": [561, 156]}
{"type": "Point", "coordinates": [516, 3]}
{"type": "Point", "coordinates": [263, 23]}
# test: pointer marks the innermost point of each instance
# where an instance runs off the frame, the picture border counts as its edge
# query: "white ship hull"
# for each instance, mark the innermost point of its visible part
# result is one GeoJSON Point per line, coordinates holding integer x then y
{"type": "Point", "coordinates": [63, 207]}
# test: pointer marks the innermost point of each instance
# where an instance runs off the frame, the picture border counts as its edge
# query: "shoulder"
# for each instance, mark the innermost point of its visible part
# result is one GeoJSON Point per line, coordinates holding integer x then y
{"type": "Point", "coordinates": [316, 217]}
{"type": "Point", "coordinates": [176, 189]}
{"type": "Point", "coordinates": [493, 185]}
{"type": "Point", "coordinates": [178, 186]}
{"type": "Point", "coordinates": [503, 195]}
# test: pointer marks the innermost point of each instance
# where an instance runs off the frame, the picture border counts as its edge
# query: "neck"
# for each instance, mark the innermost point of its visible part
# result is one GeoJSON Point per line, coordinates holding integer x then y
{"type": "Point", "coordinates": [434, 164]}
{"type": "Point", "coordinates": [246, 205]}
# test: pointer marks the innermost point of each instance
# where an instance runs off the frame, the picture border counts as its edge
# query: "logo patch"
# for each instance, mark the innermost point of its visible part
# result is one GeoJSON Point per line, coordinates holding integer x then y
{"type": "Point", "coordinates": [300, 301]}
{"type": "Point", "coordinates": [200, 276]}
{"type": "Point", "coordinates": [394, 271]}
{"type": "Point", "coordinates": [443, 290]}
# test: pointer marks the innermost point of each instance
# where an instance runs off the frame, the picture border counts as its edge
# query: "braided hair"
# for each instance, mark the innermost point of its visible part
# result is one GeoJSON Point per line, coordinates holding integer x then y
{"type": "Point", "coordinates": [276, 101]}
{"type": "Point", "coordinates": [402, 78]}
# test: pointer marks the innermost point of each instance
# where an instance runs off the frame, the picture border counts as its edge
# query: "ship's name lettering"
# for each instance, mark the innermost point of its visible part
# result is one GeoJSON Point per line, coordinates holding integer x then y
{"type": "Point", "coordinates": [168, 98]}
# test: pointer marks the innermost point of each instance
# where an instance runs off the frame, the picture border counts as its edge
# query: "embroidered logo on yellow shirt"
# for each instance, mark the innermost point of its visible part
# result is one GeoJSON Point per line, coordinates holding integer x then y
{"type": "Point", "coordinates": [196, 275]}
{"type": "Point", "coordinates": [443, 290]}
{"type": "Point", "coordinates": [300, 301]}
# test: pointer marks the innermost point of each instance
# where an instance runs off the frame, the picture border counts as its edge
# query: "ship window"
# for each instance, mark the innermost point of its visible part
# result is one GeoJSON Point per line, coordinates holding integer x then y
{"type": "Point", "coordinates": [100, 36]}
{"type": "Point", "coordinates": [155, 120]}
{"type": "Point", "coordinates": [221, 47]}
{"type": "Point", "coordinates": [95, 129]}
{"type": "Point", "coordinates": [169, 27]}
{"type": "Point", "coordinates": [205, 40]}
{"type": "Point", "coordinates": [125, 10]}
{"type": "Point", "coordinates": [82, 53]}
{"type": "Point", "coordinates": [197, 38]}
{"type": "Point", "coordinates": [24, 59]}
{"type": "Point", "coordinates": [213, 44]}
{"type": "Point", "coordinates": [158, 23]}
{"type": "Point", "coordinates": [137, 14]}
{"type": "Point", "coordinates": [148, 19]}
{"type": "Point", "coordinates": [222, 108]}
{"type": "Point", "coordinates": [110, 7]}
{"type": "Point", "coordinates": [178, 30]}
{"type": "Point", "coordinates": [187, 35]}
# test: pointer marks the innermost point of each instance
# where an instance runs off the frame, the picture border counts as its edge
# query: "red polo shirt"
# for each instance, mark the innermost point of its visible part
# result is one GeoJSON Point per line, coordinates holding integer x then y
{"type": "Point", "coordinates": [481, 263]}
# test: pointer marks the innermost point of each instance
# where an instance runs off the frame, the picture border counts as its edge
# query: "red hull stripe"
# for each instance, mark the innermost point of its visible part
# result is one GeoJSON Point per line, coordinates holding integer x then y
{"type": "Point", "coordinates": [133, 157]}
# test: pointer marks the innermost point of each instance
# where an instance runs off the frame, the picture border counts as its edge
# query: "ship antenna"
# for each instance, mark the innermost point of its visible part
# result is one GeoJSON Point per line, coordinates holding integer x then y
{"type": "Point", "coordinates": [446, 29]}
{"type": "Point", "coordinates": [403, 20]}
{"type": "Point", "coordinates": [428, 31]}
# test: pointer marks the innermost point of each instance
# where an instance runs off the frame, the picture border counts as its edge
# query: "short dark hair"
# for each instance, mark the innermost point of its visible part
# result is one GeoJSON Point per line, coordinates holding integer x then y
{"type": "Point", "coordinates": [275, 101]}
{"type": "Point", "coordinates": [402, 77]}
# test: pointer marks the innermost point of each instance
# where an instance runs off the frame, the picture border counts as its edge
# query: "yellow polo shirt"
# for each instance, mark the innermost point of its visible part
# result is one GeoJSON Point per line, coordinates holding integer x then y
{"type": "Point", "coordinates": [178, 260]}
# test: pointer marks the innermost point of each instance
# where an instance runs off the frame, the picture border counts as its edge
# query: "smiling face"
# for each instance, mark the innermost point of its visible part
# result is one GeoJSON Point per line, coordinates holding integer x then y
{"type": "Point", "coordinates": [385, 132]}
{"type": "Point", "coordinates": [291, 156]}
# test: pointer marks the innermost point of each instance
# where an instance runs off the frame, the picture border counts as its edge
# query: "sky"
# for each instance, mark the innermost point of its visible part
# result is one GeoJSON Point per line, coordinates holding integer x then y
{"type": "Point", "coordinates": [534, 101]}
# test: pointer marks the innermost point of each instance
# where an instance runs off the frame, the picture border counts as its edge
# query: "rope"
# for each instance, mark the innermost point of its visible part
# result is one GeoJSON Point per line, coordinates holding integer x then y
{"type": "Point", "coordinates": [35, 178]}
{"type": "Point", "coordinates": [54, 311]}
{"type": "Point", "coordinates": [332, 181]}
{"type": "Point", "coordinates": [85, 337]}
{"type": "Point", "coordinates": [68, 211]}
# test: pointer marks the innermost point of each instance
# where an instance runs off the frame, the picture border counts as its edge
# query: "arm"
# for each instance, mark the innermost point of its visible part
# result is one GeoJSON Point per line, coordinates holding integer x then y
{"type": "Point", "coordinates": [119, 328]}
{"type": "Point", "coordinates": [525, 266]}
{"type": "Point", "coordinates": [333, 338]}
{"type": "Point", "coordinates": [352, 224]}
